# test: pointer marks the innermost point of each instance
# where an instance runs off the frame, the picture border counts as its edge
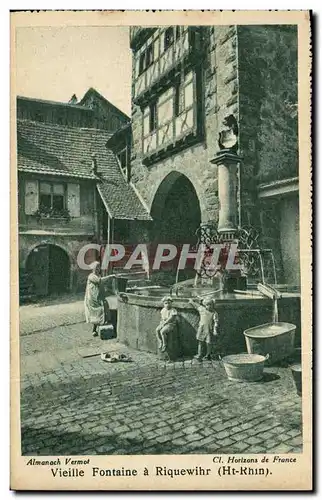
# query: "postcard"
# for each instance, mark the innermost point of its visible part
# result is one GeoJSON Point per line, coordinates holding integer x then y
{"type": "Point", "coordinates": [161, 304]}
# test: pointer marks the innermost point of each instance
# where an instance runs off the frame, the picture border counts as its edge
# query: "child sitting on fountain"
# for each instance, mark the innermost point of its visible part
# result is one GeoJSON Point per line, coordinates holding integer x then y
{"type": "Point", "coordinates": [167, 324]}
{"type": "Point", "coordinates": [208, 326]}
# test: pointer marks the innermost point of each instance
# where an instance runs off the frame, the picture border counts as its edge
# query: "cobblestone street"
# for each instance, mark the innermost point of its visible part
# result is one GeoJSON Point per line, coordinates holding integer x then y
{"type": "Point", "coordinates": [74, 403]}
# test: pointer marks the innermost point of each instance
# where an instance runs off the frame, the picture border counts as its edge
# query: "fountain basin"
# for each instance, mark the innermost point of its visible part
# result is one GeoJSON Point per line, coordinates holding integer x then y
{"type": "Point", "coordinates": [138, 316]}
{"type": "Point", "coordinates": [275, 339]}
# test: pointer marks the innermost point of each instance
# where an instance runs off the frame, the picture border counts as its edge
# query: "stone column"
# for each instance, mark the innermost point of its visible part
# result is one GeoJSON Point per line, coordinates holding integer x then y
{"type": "Point", "coordinates": [227, 162]}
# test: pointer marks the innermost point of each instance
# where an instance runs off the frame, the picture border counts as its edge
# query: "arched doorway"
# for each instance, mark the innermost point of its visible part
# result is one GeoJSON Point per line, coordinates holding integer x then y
{"type": "Point", "coordinates": [49, 269]}
{"type": "Point", "coordinates": [175, 211]}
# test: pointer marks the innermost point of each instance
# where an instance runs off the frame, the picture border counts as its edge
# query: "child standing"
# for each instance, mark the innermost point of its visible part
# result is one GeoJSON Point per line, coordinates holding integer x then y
{"type": "Point", "coordinates": [167, 324]}
{"type": "Point", "coordinates": [208, 326]}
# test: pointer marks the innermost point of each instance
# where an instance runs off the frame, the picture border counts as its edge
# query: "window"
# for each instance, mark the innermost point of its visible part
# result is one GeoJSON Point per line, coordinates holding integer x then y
{"type": "Point", "coordinates": [45, 196]}
{"type": "Point", "coordinates": [168, 38]}
{"type": "Point", "coordinates": [51, 196]}
{"type": "Point", "coordinates": [172, 117]}
{"type": "Point", "coordinates": [178, 100]}
{"type": "Point", "coordinates": [153, 117]}
{"type": "Point", "coordinates": [165, 107]}
{"type": "Point", "coordinates": [184, 95]}
{"type": "Point", "coordinates": [146, 59]}
{"type": "Point", "coordinates": [58, 197]}
{"type": "Point", "coordinates": [52, 199]}
{"type": "Point", "coordinates": [39, 117]}
{"type": "Point", "coordinates": [149, 56]}
{"type": "Point", "coordinates": [142, 63]}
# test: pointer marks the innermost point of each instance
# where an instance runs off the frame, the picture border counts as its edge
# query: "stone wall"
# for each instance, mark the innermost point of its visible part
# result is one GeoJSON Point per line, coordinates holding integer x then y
{"type": "Point", "coordinates": [250, 72]}
{"type": "Point", "coordinates": [290, 240]}
{"type": "Point", "coordinates": [267, 68]}
{"type": "Point", "coordinates": [71, 245]}
{"type": "Point", "coordinates": [70, 235]}
{"type": "Point", "coordinates": [138, 317]}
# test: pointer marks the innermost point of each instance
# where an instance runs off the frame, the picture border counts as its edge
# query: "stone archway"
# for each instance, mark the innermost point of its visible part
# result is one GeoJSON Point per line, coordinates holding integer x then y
{"type": "Point", "coordinates": [175, 211]}
{"type": "Point", "coordinates": [48, 266]}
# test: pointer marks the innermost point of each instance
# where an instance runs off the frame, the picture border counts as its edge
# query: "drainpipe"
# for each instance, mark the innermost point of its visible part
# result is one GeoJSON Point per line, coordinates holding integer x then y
{"type": "Point", "coordinates": [108, 237]}
{"type": "Point", "coordinates": [96, 224]}
{"type": "Point", "coordinates": [112, 231]}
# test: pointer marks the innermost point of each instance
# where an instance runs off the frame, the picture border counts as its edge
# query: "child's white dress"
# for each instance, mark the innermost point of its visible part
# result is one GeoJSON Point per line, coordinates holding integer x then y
{"type": "Point", "coordinates": [206, 325]}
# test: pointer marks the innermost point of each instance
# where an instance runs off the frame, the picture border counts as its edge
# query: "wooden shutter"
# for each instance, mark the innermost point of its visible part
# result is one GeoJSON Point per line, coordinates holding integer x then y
{"type": "Point", "coordinates": [31, 197]}
{"type": "Point", "coordinates": [73, 199]}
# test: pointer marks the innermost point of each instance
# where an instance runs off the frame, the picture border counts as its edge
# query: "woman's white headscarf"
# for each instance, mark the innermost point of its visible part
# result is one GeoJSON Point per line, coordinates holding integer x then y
{"type": "Point", "coordinates": [94, 265]}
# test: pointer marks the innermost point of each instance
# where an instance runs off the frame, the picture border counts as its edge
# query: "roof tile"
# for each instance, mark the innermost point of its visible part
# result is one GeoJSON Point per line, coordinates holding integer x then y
{"type": "Point", "coordinates": [60, 150]}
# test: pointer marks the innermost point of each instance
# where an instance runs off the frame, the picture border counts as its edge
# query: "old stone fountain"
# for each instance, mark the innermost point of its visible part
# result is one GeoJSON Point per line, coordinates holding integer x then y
{"type": "Point", "coordinates": [240, 305]}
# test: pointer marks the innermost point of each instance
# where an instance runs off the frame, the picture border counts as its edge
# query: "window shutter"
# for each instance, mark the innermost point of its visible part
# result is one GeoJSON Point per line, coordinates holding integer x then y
{"type": "Point", "coordinates": [31, 197]}
{"type": "Point", "coordinates": [73, 199]}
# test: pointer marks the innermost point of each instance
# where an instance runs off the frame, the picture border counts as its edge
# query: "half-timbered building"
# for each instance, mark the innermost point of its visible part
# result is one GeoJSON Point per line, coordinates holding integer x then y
{"type": "Point", "coordinates": [72, 191]}
{"type": "Point", "coordinates": [185, 81]}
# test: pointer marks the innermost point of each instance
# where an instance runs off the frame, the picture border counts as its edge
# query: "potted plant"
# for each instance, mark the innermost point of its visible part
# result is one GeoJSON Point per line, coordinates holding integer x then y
{"type": "Point", "coordinates": [52, 213]}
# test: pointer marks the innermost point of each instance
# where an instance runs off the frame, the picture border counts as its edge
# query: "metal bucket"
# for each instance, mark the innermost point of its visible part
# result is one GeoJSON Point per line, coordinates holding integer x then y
{"type": "Point", "coordinates": [297, 377]}
{"type": "Point", "coordinates": [275, 339]}
{"type": "Point", "coordinates": [107, 332]}
{"type": "Point", "coordinates": [120, 284]}
{"type": "Point", "coordinates": [244, 367]}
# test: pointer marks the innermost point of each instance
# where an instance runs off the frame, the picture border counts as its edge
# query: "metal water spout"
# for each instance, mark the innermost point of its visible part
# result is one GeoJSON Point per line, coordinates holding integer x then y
{"type": "Point", "coordinates": [269, 291]}
{"type": "Point", "coordinates": [174, 290]}
{"type": "Point", "coordinates": [273, 294]}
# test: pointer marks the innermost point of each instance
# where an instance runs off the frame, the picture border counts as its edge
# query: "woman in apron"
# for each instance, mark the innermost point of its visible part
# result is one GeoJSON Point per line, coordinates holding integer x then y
{"type": "Point", "coordinates": [95, 305]}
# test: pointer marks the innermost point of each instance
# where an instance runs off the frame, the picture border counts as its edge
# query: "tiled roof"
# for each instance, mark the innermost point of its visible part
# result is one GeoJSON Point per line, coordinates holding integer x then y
{"type": "Point", "coordinates": [97, 95]}
{"type": "Point", "coordinates": [119, 135]}
{"type": "Point", "coordinates": [51, 103]}
{"type": "Point", "coordinates": [52, 149]}
{"type": "Point", "coordinates": [119, 197]}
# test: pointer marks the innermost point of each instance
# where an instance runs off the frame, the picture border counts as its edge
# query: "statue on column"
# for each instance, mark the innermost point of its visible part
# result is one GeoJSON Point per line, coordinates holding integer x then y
{"type": "Point", "coordinates": [228, 137]}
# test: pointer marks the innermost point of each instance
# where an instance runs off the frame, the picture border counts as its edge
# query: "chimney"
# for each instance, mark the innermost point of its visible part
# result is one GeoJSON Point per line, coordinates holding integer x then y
{"type": "Point", "coordinates": [94, 164]}
{"type": "Point", "coordinates": [73, 99]}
